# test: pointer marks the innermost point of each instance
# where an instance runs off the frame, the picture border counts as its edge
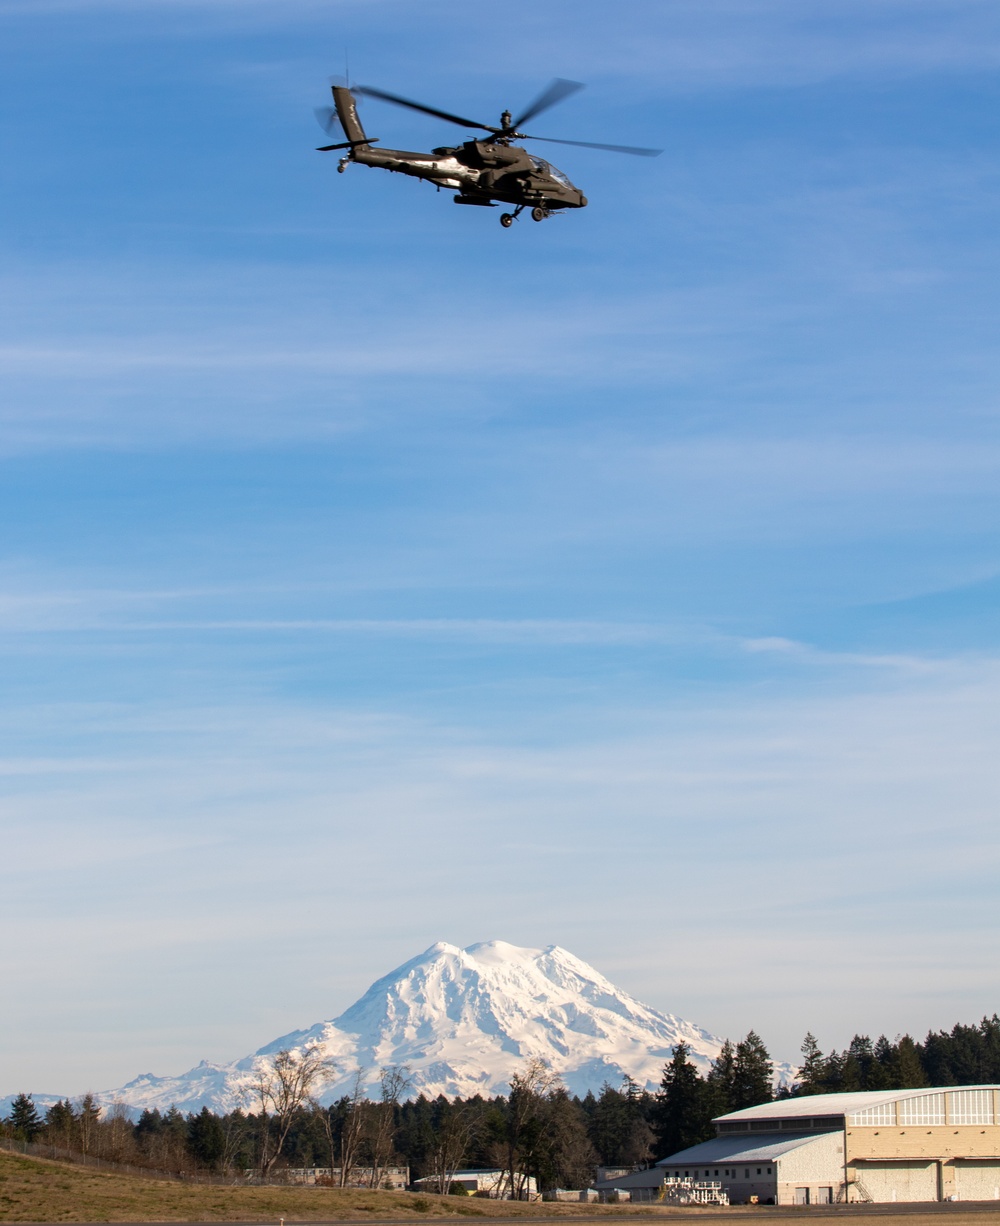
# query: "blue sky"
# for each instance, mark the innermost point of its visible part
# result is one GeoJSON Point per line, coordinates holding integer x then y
{"type": "Point", "coordinates": [371, 575]}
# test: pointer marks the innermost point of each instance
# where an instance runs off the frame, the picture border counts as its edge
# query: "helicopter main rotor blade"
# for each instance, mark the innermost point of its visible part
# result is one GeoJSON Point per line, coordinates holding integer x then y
{"type": "Point", "coordinates": [592, 144]}
{"type": "Point", "coordinates": [559, 89]}
{"type": "Point", "coordinates": [370, 92]}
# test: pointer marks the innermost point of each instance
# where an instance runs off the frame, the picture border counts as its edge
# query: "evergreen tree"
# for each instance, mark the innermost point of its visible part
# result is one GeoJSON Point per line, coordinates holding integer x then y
{"type": "Point", "coordinates": [174, 1122]}
{"type": "Point", "coordinates": [989, 1030]}
{"type": "Point", "coordinates": [149, 1123]}
{"type": "Point", "coordinates": [813, 1072]}
{"type": "Point", "coordinates": [24, 1121]}
{"type": "Point", "coordinates": [752, 1072]}
{"type": "Point", "coordinates": [904, 1067]}
{"type": "Point", "coordinates": [566, 1158]}
{"type": "Point", "coordinates": [60, 1120]}
{"type": "Point", "coordinates": [936, 1059]}
{"type": "Point", "coordinates": [871, 1075]}
{"type": "Point", "coordinates": [206, 1139]}
{"type": "Point", "coordinates": [683, 1112]}
{"type": "Point", "coordinates": [418, 1126]}
{"type": "Point", "coordinates": [850, 1074]}
{"type": "Point", "coordinates": [618, 1125]}
{"type": "Point", "coordinates": [883, 1054]}
{"type": "Point", "coordinates": [606, 1125]}
{"type": "Point", "coordinates": [721, 1080]}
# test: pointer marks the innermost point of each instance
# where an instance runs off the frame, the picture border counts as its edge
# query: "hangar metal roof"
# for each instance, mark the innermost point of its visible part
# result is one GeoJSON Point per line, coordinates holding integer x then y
{"type": "Point", "coordinates": [834, 1104]}
{"type": "Point", "coordinates": [649, 1178]}
{"type": "Point", "coordinates": [737, 1149]}
{"type": "Point", "coordinates": [719, 1149]}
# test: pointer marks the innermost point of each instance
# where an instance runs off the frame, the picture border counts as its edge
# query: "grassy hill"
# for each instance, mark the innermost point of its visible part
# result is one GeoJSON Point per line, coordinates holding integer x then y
{"type": "Point", "coordinates": [36, 1190]}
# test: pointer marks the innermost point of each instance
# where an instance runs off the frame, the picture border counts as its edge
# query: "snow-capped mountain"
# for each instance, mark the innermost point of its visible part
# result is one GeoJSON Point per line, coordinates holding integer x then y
{"type": "Point", "coordinates": [464, 1021]}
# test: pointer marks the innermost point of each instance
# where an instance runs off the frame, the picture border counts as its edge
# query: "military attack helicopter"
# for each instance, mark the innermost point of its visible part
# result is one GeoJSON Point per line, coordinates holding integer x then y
{"type": "Point", "coordinates": [483, 171]}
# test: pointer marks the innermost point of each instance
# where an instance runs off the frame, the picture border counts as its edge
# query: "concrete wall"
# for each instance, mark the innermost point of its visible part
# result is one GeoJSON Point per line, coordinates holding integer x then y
{"type": "Point", "coordinates": [816, 1166]}
{"type": "Point", "coordinates": [900, 1181]}
{"type": "Point", "coordinates": [818, 1160]}
{"type": "Point", "coordinates": [977, 1180]}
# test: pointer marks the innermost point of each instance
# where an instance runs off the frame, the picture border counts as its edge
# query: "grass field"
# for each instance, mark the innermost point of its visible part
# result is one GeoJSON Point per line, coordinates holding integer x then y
{"type": "Point", "coordinates": [36, 1190]}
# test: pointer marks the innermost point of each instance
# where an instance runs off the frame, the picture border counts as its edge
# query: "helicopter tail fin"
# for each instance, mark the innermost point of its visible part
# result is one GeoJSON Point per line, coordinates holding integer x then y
{"type": "Point", "coordinates": [347, 112]}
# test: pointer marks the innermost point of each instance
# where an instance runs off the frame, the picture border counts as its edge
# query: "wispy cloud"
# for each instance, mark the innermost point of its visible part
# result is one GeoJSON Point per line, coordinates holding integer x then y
{"type": "Point", "coordinates": [685, 45]}
{"type": "Point", "coordinates": [270, 815]}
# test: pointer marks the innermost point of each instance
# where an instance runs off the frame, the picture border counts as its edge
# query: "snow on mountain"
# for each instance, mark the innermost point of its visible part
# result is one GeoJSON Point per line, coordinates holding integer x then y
{"type": "Point", "coordinates": [464, 1021]}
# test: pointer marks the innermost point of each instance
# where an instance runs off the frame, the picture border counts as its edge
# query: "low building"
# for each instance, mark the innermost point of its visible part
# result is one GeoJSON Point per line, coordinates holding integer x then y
{"type": "Point", "coordinates": [389, 1178]}
{"type": "Point", "coordinates": [877, 1146]}
{"type": "Point", "coordinates": [607, 1174]}
{"type": "Point", "coordinates": [492, 1183]}
{"type": "Point", "coordinates": [585, 1195]}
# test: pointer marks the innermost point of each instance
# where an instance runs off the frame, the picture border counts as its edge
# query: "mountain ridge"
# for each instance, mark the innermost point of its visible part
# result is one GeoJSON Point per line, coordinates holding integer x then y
{"type": "Point", "coordinates": [463, 1021]}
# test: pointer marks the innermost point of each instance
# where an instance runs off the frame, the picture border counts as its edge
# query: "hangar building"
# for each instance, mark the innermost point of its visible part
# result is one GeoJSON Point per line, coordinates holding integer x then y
{"type": "Point", "coordinates": [878, 1145]}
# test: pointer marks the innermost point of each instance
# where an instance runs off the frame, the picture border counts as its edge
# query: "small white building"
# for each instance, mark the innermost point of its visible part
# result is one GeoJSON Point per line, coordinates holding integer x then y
{"type": "Point", "coordinates": [492, 1183]}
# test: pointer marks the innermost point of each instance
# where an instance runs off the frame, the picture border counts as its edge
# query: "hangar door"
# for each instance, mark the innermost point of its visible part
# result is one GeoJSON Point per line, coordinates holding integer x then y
{"type": "Point", "coordinates": [977, 1180]}
{"type": "Point", "coordinates": [889, 1181]}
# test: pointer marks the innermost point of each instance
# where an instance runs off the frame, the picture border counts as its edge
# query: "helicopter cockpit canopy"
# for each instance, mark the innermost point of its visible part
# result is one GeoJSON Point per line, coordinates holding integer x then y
{"type": "Point", "coordinates": [548, 169]}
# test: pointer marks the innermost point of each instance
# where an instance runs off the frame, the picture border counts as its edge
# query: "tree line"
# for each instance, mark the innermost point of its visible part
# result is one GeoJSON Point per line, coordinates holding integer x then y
{"type": "Point", "coordinates": [739, 1077]}
{"type": "Point", "coordinates": [537, 1130]}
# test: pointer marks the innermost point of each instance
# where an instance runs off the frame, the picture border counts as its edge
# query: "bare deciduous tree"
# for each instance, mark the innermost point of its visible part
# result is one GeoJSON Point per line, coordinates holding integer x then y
{"type": "Point", "coordinates": [282, 1086]}
{"type": "Point", "coordinates": [86, 1122]}
{"type": "Point", "coordinates": [528, 1091]}
{"type": "Point", "coordinates": [394, 1080]}
{"type": "Point", "coordinates": [235, 1124]}
{"type": "Point", "coordinates": [117, 1142]}
{"type": "Point", "coordinates": [454, 1129]}
{"type": "Point", "coordinates": [354, 1125]}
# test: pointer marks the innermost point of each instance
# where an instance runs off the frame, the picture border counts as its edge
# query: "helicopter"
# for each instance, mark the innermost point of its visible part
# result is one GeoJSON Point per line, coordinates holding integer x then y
{"type": "Point", "coordinates": [485, 170]}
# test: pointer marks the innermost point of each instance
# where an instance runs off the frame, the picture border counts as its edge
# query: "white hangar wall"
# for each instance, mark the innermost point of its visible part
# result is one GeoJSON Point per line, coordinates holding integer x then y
{"type": "Point", "coordinates": [934, 1144]}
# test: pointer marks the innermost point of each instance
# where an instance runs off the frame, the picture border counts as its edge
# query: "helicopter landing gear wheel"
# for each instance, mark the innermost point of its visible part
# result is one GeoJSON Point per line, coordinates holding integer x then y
{"type": "Point", "coordinates": [539, 214]}
{"type": "Point", "coordinates": [506, 220]}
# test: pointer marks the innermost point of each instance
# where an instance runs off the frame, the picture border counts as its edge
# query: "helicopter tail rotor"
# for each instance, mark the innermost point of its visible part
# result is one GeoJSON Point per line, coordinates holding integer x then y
{"type": "Point", "coordinates": [341, 119]}
{"type": "Point", "coordinates": [328, 120]}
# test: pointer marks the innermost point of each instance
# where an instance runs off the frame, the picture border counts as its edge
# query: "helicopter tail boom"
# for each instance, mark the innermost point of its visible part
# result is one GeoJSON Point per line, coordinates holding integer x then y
{"type": "Point", "coordinates": [347, 113]}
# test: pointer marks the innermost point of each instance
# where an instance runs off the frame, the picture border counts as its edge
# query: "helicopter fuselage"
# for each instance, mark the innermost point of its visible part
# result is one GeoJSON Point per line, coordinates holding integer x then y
{"type": "Point", "coordinates": [481, 172]}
